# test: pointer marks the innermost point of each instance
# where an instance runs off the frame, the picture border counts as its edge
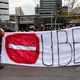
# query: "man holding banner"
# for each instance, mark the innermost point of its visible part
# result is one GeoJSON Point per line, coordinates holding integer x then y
{"type": "Point", "coordinates": [1, 35]}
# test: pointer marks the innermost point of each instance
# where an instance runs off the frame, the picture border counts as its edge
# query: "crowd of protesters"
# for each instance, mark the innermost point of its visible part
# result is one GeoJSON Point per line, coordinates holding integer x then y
{"type": "Point", "coordinates": [42, 27]}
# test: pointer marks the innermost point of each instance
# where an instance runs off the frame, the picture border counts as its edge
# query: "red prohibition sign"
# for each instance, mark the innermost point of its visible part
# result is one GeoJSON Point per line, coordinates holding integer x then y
{"type": "Point", "coordinates": [22, 48]}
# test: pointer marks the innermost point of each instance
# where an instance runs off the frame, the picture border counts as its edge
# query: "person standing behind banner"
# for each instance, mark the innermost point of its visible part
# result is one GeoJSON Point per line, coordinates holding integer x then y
{"type": "Point", "coordinates": [1, 35]}
{"type": "Point", "coordinates": [68, 25]}
{"type": "Point", "coordinates": [35, 28]}
{"type": "Point", "coordinates": [43, 27]}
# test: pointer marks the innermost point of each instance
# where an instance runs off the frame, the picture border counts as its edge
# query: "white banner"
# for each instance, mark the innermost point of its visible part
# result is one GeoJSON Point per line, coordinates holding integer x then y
{"type": "Point", "coordinates": [42, 49]}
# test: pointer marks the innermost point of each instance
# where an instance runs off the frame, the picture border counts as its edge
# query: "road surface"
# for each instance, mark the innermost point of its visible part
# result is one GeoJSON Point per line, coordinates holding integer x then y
{"type": "Point", "coordinates": [11, 72]}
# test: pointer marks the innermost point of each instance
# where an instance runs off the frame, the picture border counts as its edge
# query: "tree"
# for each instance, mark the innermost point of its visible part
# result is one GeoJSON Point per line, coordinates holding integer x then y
{"type": "Point", "coordinates": [73, 5]}
{"type": "Point", "coordinates": [66, 15]}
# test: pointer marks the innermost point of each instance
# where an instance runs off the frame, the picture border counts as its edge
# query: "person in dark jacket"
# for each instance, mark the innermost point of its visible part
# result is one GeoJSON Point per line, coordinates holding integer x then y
{"type": "Point", "coordinates": [1, 35]}
{"type": "Point", "coordinates": [43, 27]}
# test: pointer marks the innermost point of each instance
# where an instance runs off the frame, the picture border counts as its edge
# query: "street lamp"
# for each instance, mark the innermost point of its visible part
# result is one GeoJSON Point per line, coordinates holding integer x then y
{"type": "Point", "coordinates": [51, 19]}
{"type": "Point", "coordinates": [55, 19]}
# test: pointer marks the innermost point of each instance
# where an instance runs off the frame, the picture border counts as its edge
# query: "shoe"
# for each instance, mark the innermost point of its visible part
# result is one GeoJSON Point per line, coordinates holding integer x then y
{"type": "Point", "coordinates": [1, 67]}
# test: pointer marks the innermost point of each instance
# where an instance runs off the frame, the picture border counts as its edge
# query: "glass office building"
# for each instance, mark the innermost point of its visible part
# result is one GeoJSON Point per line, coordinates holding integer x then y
{"type": "Point", "coordinates": [4, 9]}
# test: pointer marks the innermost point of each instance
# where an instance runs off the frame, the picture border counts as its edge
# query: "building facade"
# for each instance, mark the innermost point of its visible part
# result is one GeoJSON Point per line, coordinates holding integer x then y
{"type": "Point", "coordinates": [19, 11]}
{"type": "Point", "coordinates": [48, 6]}
{"type": "Point", "coordinates": [4, 9]}
{"type": "Point", "coordinates": [46, 12]}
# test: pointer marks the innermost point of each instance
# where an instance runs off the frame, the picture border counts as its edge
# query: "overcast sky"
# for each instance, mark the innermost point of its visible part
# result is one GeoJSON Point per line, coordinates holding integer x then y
{"type": "Point", "coordinates": [27, 6]}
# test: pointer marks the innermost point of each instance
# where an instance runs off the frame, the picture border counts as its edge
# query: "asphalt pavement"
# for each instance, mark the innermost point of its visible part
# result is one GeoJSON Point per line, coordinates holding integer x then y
{"type": "Point", "coordinates": [11, 72]}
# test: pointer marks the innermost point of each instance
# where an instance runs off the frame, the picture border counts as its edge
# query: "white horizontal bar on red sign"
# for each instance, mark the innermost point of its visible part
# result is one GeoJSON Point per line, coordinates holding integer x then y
{"type": "Point", "coordinates": [20, 47]}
